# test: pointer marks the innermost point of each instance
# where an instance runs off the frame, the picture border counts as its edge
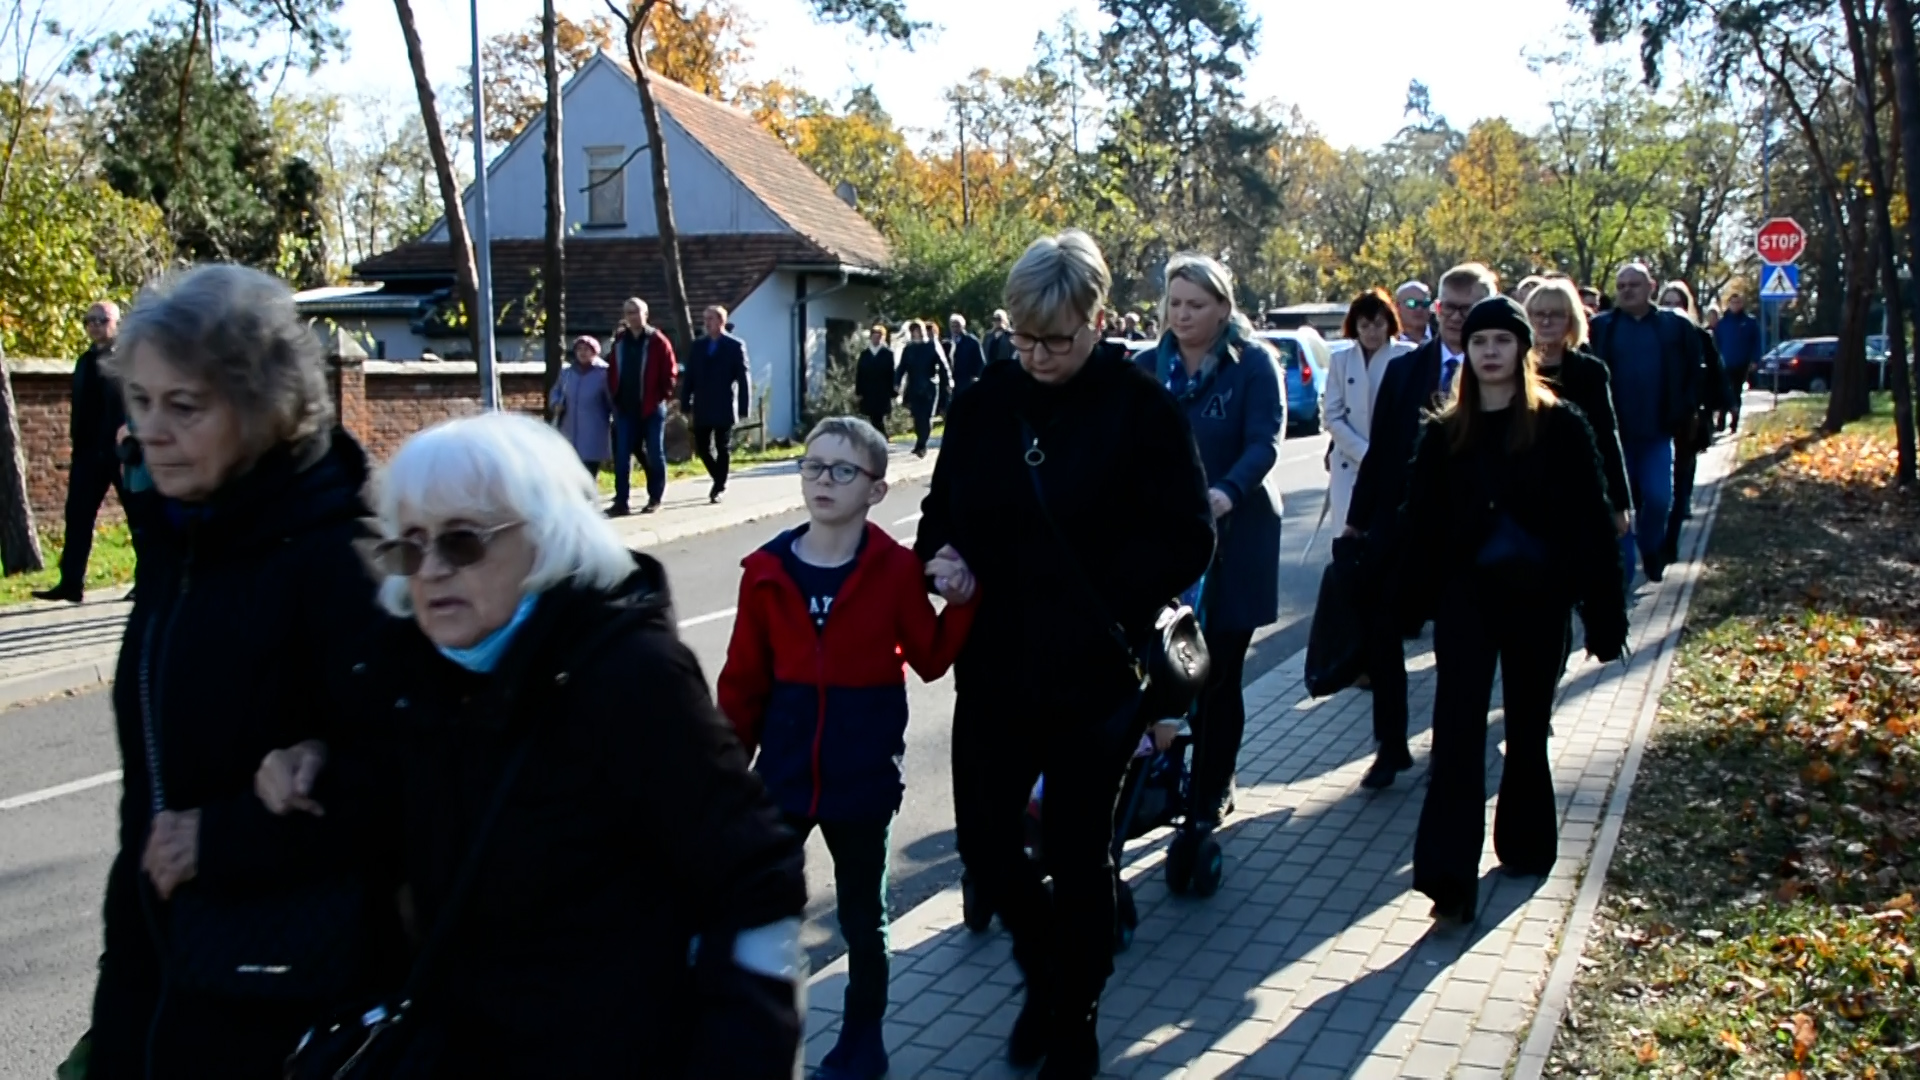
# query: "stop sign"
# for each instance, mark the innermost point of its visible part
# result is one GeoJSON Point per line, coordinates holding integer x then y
{"type": "Point", "coordinates": [1780, 241]}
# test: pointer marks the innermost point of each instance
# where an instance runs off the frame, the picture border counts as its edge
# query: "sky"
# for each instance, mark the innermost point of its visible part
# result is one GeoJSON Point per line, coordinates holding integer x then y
{"type": "Point", "coordinates": [1345, 65]}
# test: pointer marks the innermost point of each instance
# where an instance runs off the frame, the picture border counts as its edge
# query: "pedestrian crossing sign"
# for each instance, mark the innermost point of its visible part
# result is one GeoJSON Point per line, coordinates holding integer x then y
{"type": "Point", "coordinates": [1779, 282]}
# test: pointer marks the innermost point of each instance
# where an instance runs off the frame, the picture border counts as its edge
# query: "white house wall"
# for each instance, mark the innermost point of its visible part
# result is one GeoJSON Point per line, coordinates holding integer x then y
{"type": "Point", "coordinates": [764, 324]}
{"type": "Point", "coordinates": [600, 108]}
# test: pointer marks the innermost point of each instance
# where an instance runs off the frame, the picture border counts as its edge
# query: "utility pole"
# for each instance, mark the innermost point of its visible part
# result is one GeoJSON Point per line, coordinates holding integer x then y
{"type": "Point", "coordinates": [966, 193]}
{"type": "Point", "coordinates": [482, 228]}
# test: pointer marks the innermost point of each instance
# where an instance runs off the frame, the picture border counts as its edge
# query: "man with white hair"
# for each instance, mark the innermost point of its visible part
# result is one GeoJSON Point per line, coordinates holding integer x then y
{"type": "Point", "coordinates": [999, 343]}
{"type": "Point", "coordinates": [93, 425]}
{"type": "Point", "coordinates": [1654, 357]}
{"type": "Point", "coordinates": [964, 354]}
{"type": "Point", "coordinates": [1415, 302]}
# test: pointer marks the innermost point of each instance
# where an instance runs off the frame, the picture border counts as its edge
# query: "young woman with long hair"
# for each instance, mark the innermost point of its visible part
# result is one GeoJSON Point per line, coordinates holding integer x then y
{"type": "Point", "coordinates": [1515, 530]}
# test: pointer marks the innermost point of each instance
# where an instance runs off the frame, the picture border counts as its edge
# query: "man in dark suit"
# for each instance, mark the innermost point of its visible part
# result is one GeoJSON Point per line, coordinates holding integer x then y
{"type": "Point", "coordinates": [963, 353]}
{"type": "Point", "coordinates": [999, 344]}
{"type": "Point", "coordinates": [94, 421]}
{"type": "Point", "coordinates": [1414, 384]}
{"type": "Point", "coordinates": [873, 379]}
{"type": "Point", "coordinates": [716, 392]}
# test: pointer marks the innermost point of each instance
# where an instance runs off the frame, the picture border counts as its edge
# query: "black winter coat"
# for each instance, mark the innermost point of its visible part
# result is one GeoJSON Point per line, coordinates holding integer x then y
{"type": "Point", "coordinates": [968, 360]}
{"type": "Point", "coordinates": [249, 611]}
{"type": "Point", "coordinates": [924, 377]}
{"type": "Point", "coordinates": [96, 413]}
{"type": "Point", "coordinates": [1124, 483]}
{"type": "Point", "coordinates": [1554, 490]}
{"type": "Point", "coordinates": [1582, 380]}
{"type": "Point", "coordinates": [633, 828]}
{"type": "Point", "coordinates": [873, 380]}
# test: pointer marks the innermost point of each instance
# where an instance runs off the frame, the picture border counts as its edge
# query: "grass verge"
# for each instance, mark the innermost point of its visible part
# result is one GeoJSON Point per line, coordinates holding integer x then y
{"type": "Point", "coordinates": [1757, 916]}
{"type": "Point", "coordinates": [111, 564]}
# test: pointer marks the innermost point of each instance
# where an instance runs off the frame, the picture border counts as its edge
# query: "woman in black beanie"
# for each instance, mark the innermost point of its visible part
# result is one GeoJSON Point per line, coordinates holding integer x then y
{"type": "Point", "coordinates": [1508, 482]}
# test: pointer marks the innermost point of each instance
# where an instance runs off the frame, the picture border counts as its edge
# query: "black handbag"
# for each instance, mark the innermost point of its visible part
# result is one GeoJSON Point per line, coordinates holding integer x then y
{"type": "Point", "coordinates": [1172, 664]}
{"type": "Point", "coordinates": [294, 944]}
{"type": "Point", "coordinates": [376, 1039]}
{"type": "Point", "coordinates": [1336, 643]}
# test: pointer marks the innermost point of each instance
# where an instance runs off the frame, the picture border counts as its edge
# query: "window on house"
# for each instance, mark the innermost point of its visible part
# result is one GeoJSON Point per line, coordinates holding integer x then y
{"type": "Point", "coordinates": [606, 185]}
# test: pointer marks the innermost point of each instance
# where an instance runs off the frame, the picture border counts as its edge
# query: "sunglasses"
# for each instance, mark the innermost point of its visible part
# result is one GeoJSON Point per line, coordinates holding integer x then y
{"type": "Point", "coordinates": [1417, 303]}
{"type": "Point", "coordinates": [839, 472]}
{"type": "Point", "coordinates": [95, 320]}
{"type": "Point", "coordinates": [457, 548]}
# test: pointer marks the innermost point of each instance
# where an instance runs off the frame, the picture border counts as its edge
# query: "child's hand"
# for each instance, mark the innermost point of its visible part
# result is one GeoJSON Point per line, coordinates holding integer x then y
{"type": "Point", "coordinates": [951, 577]}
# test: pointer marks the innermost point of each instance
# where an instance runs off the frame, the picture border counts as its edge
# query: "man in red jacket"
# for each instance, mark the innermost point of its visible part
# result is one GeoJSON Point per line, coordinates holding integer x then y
{"type": "Point", "coordinates": [641, 372]}
{"type": "Point", "coordinates": [814, 679]}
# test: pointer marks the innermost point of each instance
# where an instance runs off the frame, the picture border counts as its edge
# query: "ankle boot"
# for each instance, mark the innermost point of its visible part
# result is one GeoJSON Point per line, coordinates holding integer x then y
{"type": "Point", "coordinates": [1074, 1053]}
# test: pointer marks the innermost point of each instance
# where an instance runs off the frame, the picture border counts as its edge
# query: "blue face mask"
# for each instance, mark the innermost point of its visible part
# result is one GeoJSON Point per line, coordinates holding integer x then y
{"type": "Point", "coordinates": [483, 656]}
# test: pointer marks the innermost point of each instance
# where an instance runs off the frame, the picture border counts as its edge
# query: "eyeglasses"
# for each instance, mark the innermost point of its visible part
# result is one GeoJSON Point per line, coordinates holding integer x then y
{"type": "Point", "coordinates": [457, 548]}
{"type": "Point", "coordinates": [95, 320]}
{"type": "Point", "coordinates": [1057, 344]}
{"type": "Point", "coordinates": [837, 472]}
{"type": "Point", "coordinates": [1417, 303]}
{"type": "Point", "coordinates": [1548, 316]}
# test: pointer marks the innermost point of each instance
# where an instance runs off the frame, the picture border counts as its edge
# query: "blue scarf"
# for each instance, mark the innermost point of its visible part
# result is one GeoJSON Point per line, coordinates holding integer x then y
{"type": "Point", "coordinates": [484, 655]}
{"type": "Point", "coordinates": [1172, 370]}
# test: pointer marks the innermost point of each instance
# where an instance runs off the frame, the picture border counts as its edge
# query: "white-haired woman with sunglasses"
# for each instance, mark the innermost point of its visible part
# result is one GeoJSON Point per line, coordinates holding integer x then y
{"type": "Point", "coordinates": [1070, 488]}
{"type": "Point", "coordinates": [635, 908]}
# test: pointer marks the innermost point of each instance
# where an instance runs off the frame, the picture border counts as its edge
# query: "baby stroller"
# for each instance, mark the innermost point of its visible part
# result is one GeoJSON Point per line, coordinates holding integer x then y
{"type": "Point", "coordinates": [1152, 798]}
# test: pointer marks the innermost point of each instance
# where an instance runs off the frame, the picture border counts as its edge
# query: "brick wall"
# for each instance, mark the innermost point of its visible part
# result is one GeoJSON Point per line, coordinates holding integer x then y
{"type": "Point", "coordinates": [380, 402]}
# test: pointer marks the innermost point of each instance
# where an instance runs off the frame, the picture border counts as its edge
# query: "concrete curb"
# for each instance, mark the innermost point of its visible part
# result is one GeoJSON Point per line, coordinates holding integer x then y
{"type": "Point", "coordinates": [1558, 992]}
{"type": "Point", "coordinates": [86, 676]}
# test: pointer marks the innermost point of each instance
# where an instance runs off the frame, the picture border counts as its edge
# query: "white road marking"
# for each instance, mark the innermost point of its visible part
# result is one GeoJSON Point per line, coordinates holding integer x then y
{"type": "Point", "coordinates": [69, 788]}
{"type": "Point", "coordinates": [908, 520]}
{"type": "Point", "coordinates": [702, 620]}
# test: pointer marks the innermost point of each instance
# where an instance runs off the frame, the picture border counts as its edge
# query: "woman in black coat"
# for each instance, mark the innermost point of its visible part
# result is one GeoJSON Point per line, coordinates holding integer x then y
{"type": "Point", "coordinates": [636, 908]}
{"type": "Point", "coordinates": [1046, 683]}
{"type": "Point", "coordinates": [1507, 495]}
{"type": "Point", "coordinates": [873, 380]}
{"type": "Point", "coordinates": [227, 929]}
{"type": "Point", "coordinates": [924, 380]}
{"type": "Point", "coordinates": [1677, 297]}
{"type": "Point", "coordinates": [1578, 378]}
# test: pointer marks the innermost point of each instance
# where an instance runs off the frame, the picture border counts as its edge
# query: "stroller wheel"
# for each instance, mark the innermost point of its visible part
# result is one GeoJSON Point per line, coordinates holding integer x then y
{"type": "Point", "coordinates": [973, 908]}
{"type": "Point", "coordinates": [1209, 864]}
{"type": "Point", "coordinates": [1180, 860]}
{"type": "Point", "coordinates": [1126, 919]}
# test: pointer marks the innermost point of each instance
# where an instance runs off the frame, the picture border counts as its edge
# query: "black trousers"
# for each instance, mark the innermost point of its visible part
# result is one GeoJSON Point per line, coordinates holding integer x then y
{"type": "Point", "coordinates": [1482, 622]}
{"type": "Point", "coordinates": [1218, 725]}
{"type": "Point", "coordinates": [1686, 460]}
{"type": "Point", "coordinates": [878, 419]}
{"type": "Point", "coordinates": [1387, 672]}
{"type": "Point", "coordinates": [922, 423]}
{"type": "Point", "coordinates": [87, 485]}
{"type": "Point", "coordinates": [1063, 939]}
{"type": "Point", "coordinates": [715, 447]}
{"type": "Point", "coordinates": [1737, 390]}
{"type": "Point", "coordinates": [859, 850]}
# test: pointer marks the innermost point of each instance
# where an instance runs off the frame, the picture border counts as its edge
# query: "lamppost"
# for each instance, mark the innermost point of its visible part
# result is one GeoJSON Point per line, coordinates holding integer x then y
{"type": "Point", "coordinates": [482, 244]}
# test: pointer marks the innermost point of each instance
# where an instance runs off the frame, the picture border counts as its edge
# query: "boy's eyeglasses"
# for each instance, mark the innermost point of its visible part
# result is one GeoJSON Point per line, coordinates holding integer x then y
{"type": "Point", "coordinates": [838, 472]}
{"type": "Point", "coordinates": [458, 548]}
{"type": "Point", "coordinates": [1417, 303]}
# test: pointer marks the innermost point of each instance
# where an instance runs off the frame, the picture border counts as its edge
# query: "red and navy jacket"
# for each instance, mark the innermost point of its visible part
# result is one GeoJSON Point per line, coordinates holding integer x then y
{"type": "Point", "coordinates": [827, 708]}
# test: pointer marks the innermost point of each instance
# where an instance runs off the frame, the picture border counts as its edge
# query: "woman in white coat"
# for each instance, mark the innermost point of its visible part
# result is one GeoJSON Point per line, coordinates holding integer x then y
{"type": "Point", "coordinates": [1353, 385]}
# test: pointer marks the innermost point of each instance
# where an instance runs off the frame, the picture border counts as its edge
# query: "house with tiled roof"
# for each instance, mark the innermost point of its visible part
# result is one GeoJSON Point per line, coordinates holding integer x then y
{"type": "Point", "coordinates": [760, 234]}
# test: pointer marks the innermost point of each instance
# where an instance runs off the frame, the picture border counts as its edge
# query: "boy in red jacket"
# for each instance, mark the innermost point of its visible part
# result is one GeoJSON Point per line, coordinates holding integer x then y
{"type": "Point", "coordinates": [815, 680]}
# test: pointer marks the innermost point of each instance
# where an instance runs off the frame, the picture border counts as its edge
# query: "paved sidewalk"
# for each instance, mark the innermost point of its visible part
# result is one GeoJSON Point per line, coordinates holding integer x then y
{"type": "Point", "coordinates": [1315, 959]}
{"type": "Point", "coordinates": [49, 649]}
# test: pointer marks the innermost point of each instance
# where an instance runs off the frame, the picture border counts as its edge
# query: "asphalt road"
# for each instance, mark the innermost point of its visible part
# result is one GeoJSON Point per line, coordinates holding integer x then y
{"type": "Point", "coordinates": [54, 850]}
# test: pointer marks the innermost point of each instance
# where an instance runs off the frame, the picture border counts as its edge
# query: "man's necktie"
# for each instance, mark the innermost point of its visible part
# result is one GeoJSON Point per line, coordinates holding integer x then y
{"type": "Point", "coordinates": [1447, 368]}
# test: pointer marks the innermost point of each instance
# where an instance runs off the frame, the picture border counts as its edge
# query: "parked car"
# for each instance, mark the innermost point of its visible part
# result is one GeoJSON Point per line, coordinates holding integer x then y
{"type": "Point", "coordinates": [1305, 357]}
{"type": "Point", "coordinates": [1807, 364]}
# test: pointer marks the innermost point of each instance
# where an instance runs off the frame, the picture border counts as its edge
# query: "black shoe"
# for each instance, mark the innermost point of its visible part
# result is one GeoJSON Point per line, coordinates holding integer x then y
{"type": "Point", "coordinates": [1075, 1051]}
{"type": "Point", "coordinates": [1385, 766]}
{"type": "Point", "coordinates": [1459, 912]}
{"type": "Point", "coordinates": [1670, 552]}
{"type": "Point", "coordinates": [59, 593]}
{"type": "Point", "coordinates": [650, 508]}
{"type": "Point", "coordinates": [1655, 571]}
{"type": "Point", "coordinates": [1032, 1030]}
{"type": "Point", "coordinates": [618, 510]}
{"type": "Point", "coordinates": [128, 599]}
{"type": "Point", "coordinates": [713, 497]}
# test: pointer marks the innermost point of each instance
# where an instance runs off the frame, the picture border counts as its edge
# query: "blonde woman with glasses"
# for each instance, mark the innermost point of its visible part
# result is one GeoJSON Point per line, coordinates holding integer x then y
{"type": "Point", "coordinates": [1580, 379]}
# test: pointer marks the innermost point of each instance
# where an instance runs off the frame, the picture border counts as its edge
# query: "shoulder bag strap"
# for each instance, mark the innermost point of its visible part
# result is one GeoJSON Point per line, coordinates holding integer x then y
{"type": "Point", "coordinates": [1034, 457]}
{"type": "Point", "coordinates": [450, 913]}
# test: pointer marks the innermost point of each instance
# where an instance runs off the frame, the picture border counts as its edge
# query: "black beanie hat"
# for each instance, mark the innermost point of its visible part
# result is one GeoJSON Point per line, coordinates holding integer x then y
{"type": "Point", "coordinates": [1499, 313]}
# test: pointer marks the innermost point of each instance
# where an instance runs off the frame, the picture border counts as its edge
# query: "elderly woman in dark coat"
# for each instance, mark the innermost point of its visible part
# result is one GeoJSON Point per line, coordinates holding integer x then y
{"type": "Point", "coordinates": [636, 907]}
{"type": "Point", "coordinates": [1229, 384]}
{"type": "Point", "coordinates": [228, 929]}
{"type": "Point", "coordinates": [1069, 486]}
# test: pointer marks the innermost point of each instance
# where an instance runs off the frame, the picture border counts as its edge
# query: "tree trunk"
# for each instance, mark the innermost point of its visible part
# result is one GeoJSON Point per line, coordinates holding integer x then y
{"type": "Point", "coordinates": [1906, 81]}
{"type": "Point", "coordinates": [678, 308]}
{"type": "Point", "coordinates": [553, 286]}
{"type": "Point", "coordinates": [466, 274]}
{"type": "Point", "coordinates": [1847, 398]}
{"type": "Point", "coordinates": [19, 541]}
